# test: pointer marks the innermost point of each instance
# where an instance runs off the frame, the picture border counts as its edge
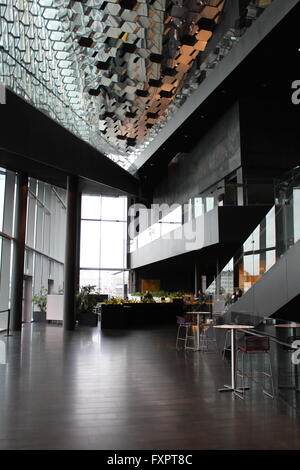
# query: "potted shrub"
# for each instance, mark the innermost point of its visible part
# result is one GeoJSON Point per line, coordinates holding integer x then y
{"type": "Point", "coordinates": [86, 300]}
{"type": "Point", "coordinates": [40, 300]}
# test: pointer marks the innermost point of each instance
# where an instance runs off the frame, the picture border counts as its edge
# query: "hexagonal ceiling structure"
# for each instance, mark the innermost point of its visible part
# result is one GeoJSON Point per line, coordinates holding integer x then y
{"type": "Point", "coordinates": [110, 71]}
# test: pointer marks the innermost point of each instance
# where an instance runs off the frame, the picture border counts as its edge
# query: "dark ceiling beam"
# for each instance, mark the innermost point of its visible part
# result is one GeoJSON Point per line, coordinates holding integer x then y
{"type": "Point", "coordinates": [53, 176]}
{"type": "Point", "coordinates": [31, 139]}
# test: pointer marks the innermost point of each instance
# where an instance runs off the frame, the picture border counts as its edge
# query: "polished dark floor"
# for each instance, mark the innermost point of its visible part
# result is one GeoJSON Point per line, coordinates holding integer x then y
{"type": "Point", "coordinates": [128, 390]}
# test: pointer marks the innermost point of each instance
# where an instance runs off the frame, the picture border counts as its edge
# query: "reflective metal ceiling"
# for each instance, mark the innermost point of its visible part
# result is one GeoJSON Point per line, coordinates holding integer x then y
{"type": "Point", "coordinates": [110, 71]}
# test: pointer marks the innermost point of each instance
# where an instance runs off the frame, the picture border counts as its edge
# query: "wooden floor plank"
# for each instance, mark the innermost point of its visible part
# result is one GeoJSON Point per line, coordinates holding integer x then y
{"type": "Point", "coordinates": [128, 390]}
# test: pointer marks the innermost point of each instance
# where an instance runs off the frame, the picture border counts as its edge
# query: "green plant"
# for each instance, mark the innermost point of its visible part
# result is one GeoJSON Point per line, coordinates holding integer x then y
{"type": "Point", "coordinates": [179, 295]}
{"type": "Point", "coordinates": [147, 301]}
{"type": "Point", "coordinates": [40, 299]}
{"type": "Point", "coordinates": [119, 301]}
{"type": "Point", "coordinates": [115, 300]}
{"type": "Point", "coordinates": [85, 299]}
{"type": "Point", "coordinates": [159, 293]}
{"type": "Point", "coordinates": [162, 293]}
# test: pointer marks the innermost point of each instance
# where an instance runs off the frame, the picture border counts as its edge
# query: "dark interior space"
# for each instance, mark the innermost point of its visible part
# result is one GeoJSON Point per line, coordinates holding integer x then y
{"type": "Point", "coordinates": [149, 228]}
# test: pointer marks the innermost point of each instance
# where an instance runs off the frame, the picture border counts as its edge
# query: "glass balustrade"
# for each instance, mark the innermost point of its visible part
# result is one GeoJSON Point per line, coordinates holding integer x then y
{"type": "Point", "coordinates": [152, 228]}
{"type": "Point", "coordinates": [278, 230]}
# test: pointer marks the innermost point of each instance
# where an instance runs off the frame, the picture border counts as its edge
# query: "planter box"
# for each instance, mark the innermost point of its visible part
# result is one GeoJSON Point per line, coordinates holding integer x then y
{"type": "Point", "coordinates": [87, 318]}
{"type": "Point", "coordinates": [39, 316]}
{"type": "Point", "coordinates": [114, 316]}
{"type": "Point", "coordinates": [138, 314]}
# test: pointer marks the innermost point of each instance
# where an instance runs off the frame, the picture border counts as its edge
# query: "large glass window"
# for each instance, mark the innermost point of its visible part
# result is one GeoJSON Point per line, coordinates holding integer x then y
{"type": "Point", "coordinates": [270, 229]}
{"type": "Point", "coordinates": [45, 236]}
{"type": "Point", "coordinates": [270, 259]}
{"type": "Point", "coordinates": [112, 252]}
{"type": "Point", "coordinates": [198, 204]}
{"type": "Point", "coordinates": [114, 208]}
{"type": "Point", "coordinates": [296, 209]}
{"type": "Point", "coordinates": [2, 193]}
{"type": "Point", "coordinates": [210, 202]}
{"type": "Point", "coordinates": [90, 207]}
{"type": "Point", "coordinates": [103, 254]}
{"type": "Point", "coordinates": [44, 242]}
{"type": "Point", "coordinates": [112, 282]}
{"type": "Point", "coordinates": [90, 277]}
{"type": "Point", "coordinates": [90, 244]}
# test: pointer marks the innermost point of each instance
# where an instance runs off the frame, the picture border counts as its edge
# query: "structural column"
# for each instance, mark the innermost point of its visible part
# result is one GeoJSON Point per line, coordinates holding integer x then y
{"type": "Point", "coordinates": [78, 235]}
{"type": "Point", "coordinates": [238, 267]}
{"type": "Point", "coordinates": [71, 252]}
{"type": "Point", "coordinates": [196, 287]}
{"type": "Point", "coordinates": [19, 252]}
{"type": "Point", "coordinates": [217, 278]}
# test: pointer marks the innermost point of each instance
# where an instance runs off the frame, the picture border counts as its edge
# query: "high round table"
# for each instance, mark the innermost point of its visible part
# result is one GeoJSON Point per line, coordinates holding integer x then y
{"type": "Point", "coordinates": [233, 329]}
{"type": "Point", "coordinates": [197, 348]}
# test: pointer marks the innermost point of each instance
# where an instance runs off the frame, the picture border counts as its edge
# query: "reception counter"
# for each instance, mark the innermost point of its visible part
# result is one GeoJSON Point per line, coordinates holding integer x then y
{"type": "Point", "coordinates": [139, 314]}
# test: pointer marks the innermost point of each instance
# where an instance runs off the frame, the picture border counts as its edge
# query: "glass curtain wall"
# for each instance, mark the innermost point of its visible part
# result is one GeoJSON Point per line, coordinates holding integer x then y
{"type": "Point", "coordinates": [2, 193]}
{"type": "Point", "coordinates": [44, 243]}
{"type": "Point", "coordinates": [45, 236]}
{"type": "Point", "coordinates": [103, 251]}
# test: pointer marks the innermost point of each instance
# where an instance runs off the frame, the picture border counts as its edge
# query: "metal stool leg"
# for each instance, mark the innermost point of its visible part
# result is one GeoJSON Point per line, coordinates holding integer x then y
{"type": "Point", "coordinates": [181, 338]}
{"type": "Point", "coordinates": [238, 372]}
{"type": "Point", "coordinates": [211, 339]}
{"type": "Point", "coordinates": [214, 339]}
{"type": "Point", "coordinates": [203, 340]}
{"type": "Point", "coordinates": [186, 337]}
{"type": "Point", "coordinates": [190, 336]}
{"type": "Point", "coordinates": [225, 348]}
{"type": "Point", "coordinates": [200, 345]}
{"type": "Point", "coordinates": [241, 375]}
{"type": "Point", "coordinates": [178, 336]}
{"type": "Point", "coordinates": [268, 375]}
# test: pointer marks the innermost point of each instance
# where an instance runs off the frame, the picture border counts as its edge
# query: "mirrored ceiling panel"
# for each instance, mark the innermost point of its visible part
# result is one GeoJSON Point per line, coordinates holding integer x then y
{"type": "Point", "coordinates": [110, 71]}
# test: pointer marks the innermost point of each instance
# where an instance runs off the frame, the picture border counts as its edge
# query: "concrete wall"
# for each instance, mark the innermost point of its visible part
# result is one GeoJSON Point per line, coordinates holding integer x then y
{"type": "Point", "coordinates": [214, 157]}
{"type": "Point", "coordinates": [274, 123]}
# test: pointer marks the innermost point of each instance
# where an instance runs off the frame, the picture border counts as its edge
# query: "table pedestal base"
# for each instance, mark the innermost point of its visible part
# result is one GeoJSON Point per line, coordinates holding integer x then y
{"type": "Point", "coordinates": [229, 388]}
{"type": "Point", "coordinates": [238, 391]}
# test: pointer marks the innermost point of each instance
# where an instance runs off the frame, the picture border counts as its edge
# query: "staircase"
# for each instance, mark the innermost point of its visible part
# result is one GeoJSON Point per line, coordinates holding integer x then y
{"type": "Point", "coordinates": [267, 266]}
{"type": "Point", "coordinates": [276, 294]}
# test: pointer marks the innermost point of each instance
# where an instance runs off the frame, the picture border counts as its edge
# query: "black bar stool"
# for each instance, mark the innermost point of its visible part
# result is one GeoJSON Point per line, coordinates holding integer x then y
{"type": "Point", "coordinates": [255, 346]}
{"type": "Point", "coordinates": [185, 325]}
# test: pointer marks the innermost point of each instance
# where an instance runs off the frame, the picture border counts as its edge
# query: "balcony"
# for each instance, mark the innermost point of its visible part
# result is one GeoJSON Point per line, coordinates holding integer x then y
{"type": "Point", "coordinates": [222, 225]}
